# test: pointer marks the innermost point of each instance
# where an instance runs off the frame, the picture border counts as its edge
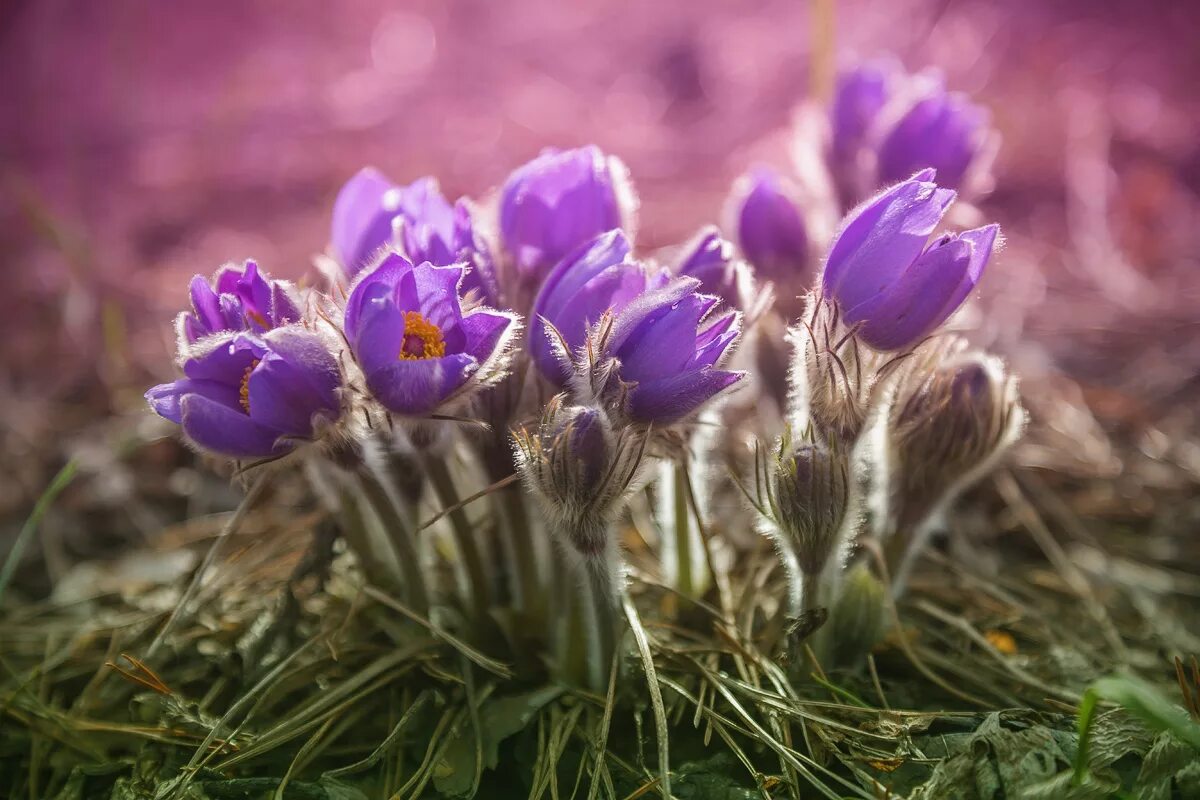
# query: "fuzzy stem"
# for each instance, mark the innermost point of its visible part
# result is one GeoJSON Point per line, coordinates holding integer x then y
{"type": "Point", "coordinates": [400, 535]}
{"type": "Point", "coordinates": [683, 534]}
{"type": "Point", "coordinates": [528, 589]}
{"type": "Point", "coordinates": [477, 581]}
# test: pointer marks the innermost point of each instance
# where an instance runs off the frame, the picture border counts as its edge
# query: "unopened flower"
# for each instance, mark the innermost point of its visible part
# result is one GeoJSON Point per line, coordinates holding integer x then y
{"type": "Point", "coordinates": [580, 470]}
{"type": "Point", "coordinates": [945, 430]}
{"type": "Point", "coordinates": [770, 225]}
{"type": "Point", "coordinates": [246, 395]}
{"type": "Point", "coordinates": [560, 200]}
{"type": "Point", "coordinates": [888, 283]}
{"type": "Point", "coordinates": [806, 500]}
{"type": "Point", "coordinates": [418, 350]}
{"type": "Point", "coordinates": [860, 95]}
{"type": "Point", "coordinates": [236, 299]}
{"type": "Point", "coordinates": [372, 213]}
{"type": "Point", "coordinates": [709, 259]}
{"type": "Point", "coordinates": [662, 345]}
{"type": "Point", "coordinates": [942, 130]}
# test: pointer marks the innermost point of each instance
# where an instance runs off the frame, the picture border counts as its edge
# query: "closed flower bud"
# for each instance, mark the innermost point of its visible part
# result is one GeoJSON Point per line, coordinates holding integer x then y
{"type": "Point", "coordinates": [890, 283]}
{"type": "Point", "coordinates": [580, 470]}
{"type": "Point", "coordinates": [806, 500]}
{"type": "Point", "coordinates": [770, 226]}
{"type": "Point", "coordinates": [559, 201]}
{"type": "Point", "coordinates": [943, 130]}
{"type": "Point", "coordinates": [812, 487]}
{"type": "Point", "coordinates": [946, 429]}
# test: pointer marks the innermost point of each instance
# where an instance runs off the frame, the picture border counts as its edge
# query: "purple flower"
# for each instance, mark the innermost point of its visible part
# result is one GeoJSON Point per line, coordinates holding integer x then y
{"type": "Point", "coordinates": [769, 225]}
{"type": "Point", "coordinates": [662, 336]}
{"type": "Point", "coordinates": [372, 213]}
{"type": "Point", "coordinates": [860, 95]}
{"type": "Point", "coordinates": [236, 300]}
{"type": "Point", "coordinates": [559, 201]}
{"type": "Point", "coordinates": [416, 347]}
{"type": "Point", "coordinates": [709, 259]}
{"type": "Point", "coordinates": [246, 395]}
{"type": "Point", "coordinates": [887, 281]}
{"type": "Point", "coordinates": [943, 130]}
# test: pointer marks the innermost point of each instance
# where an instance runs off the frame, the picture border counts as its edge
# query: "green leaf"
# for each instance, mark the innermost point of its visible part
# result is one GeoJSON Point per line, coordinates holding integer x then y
{"type": "Point", "coordinates": [1141, 699]}
{"type": "Point", "coordinates": [498, 720]}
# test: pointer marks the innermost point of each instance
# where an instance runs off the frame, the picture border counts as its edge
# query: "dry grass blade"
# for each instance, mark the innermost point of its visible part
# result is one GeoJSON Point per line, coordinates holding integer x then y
{"type": "Point", "coordinates": [656, 702]}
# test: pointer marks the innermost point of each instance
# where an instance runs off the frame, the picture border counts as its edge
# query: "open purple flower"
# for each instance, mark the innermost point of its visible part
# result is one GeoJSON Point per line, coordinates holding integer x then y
{"type": "Point", "coordinates": [372, 213]}
{"type": "Point", "coordinates": [417, 349]}
{"type": "Point", "coordinates": [559, 201]}
{"type": "Point", "coordinates": [662, 335]}
{"type": "Point", "coordinates": [887, 281]}
{"type": "Point", "coordinates": [236, 299]}
{"type": "Point", "coordinates": [769, 224]}
{"type": "Point", "coordinates": [254, 396]}
{"type": "Point", "coordinates": [861, 93]}
{"type": "Point", "coordinates": [943, 130]}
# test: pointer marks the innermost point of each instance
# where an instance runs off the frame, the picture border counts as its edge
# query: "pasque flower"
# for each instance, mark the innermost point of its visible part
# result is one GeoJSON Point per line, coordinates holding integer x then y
{"type": "Point", "coordinates": [709, 259]}
{"type": "Point", "coordinates": [417, 349]}
{"type": "Point", "coordinates": [943, 130]}
{"type": "Point", "coordinates": [248, 395]}
{"type": "Point", "coordinates": [769, 224]}
{"type": "Point", "coordinates": [887, 281]}
{"type": "Point", "coordinates": [861, 93]}
{"type": "Point", "coordinates": [560, 200]}
{"type": "Point", "coordinates": [236, 299]}
{"type": "Point", "coordinates": [665, 343]}
{"type": "Point", "coordinates": [372, 213]}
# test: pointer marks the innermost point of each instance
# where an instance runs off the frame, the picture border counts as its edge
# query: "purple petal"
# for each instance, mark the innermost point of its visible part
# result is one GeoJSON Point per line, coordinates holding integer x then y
{"type": "Point", "coordinates": [665, 342]}
{"type": "Point", "coordinates": [221, 429]}
{"type": "Point", "coordinates": [883, 237]}
{"type": "Point", "coordinates": [669, 400]}
{"type": "Point", "coordinates": [379, 284]}
{"type": "Point", "coordinates": [940, 131]}
{"type": "Point", "coordinates": [641, 308]}
{"type": "Point", "coordinates": [918, 302]}
{"type": "Point", "coordinates": [226, 362]}
{"type": "Point", "coordinates": [207, 305]}
{"type": "Point", "coordinates": [483, 330]}
{"type": "Point", "coordinates": [860, 95]}
{"type": "Point", "coordinates": [770, 227]}
{"type": "Point", "coordinates": [362, 218]}
{"type": "Point", "coordinates": [417, 387]}
{"type": "Point", "coordinates": [284, 396]}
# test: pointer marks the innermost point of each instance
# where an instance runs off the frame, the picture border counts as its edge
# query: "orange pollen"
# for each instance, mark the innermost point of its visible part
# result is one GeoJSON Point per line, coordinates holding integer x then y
{"type": "Point", "coordinates": [254, 316]}
{"type": "Point", "coordinates": [422, 339]}
{"type": "Point", "coordinates": [244, 389]}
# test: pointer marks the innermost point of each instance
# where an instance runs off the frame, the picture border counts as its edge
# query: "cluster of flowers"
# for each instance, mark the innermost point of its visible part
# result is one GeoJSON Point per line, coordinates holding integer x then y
{"type": "Point", "coordinates": [453, 344]}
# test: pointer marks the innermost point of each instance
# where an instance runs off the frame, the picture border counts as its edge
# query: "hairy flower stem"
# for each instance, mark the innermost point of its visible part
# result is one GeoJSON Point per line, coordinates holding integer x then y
{"type": "Point", "coordinates": [476, 588]}
{"type": "Point", "coordinates": [683, 535]}
{"type": "Point", "coordinates": [401, 536]}
{"type": "Point", "coordinates": [591, 635]}
{"type": "Point", "coordinates": [528, 590]}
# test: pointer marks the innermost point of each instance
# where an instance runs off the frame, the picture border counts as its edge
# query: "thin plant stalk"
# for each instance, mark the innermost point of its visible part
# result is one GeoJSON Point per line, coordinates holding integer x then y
{"type": "Point", "coordinates": [476, 589]}
{"type": "Point", "coordinates": [401, 536]}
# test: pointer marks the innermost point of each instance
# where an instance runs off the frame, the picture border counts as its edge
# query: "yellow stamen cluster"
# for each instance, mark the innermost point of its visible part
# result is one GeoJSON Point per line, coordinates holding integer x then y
{"type": "Point", "coordinates": [422, 339]}
{"type": "Point", "coordinates": [244, 389]}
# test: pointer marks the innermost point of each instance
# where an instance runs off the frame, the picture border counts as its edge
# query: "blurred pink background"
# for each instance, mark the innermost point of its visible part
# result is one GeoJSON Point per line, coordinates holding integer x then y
{"type": "Point", "coordinates": [146, 141]}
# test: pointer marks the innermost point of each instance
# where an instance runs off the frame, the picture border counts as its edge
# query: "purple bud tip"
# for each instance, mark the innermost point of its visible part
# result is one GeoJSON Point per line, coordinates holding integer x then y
{"type": "Point", "coordinates": [770, 225]}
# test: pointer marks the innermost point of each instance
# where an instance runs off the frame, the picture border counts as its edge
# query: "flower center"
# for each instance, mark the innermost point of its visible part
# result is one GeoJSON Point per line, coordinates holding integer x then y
{"type": "Point", "coordinates": [244, 389]}
{"type": "Point", "coordinates": [422, 339]}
